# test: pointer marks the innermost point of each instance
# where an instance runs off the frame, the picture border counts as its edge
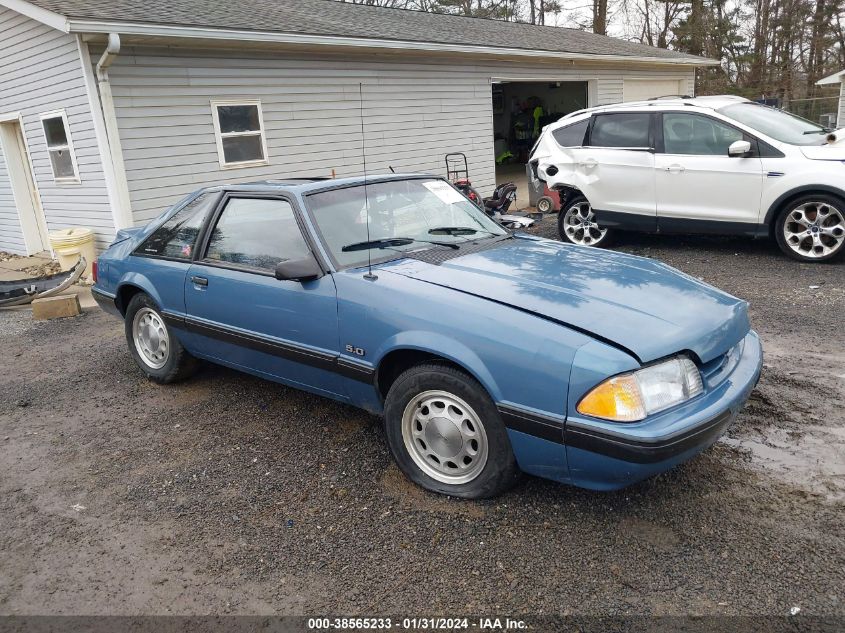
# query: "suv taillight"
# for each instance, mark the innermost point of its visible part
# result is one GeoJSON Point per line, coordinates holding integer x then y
{"type": "Point", "coordinates": [94, 270]}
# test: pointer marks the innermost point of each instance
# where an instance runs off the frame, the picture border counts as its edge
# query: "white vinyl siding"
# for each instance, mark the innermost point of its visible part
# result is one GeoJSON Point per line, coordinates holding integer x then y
{"type": "Point", "coordinates": [40, 72]}
{"type": "Point", "coordinates": [644, 89]}
{"type": "Point", "coordinates": [841, 120]}
{"type": "Point", "coordinates": [415, 111]}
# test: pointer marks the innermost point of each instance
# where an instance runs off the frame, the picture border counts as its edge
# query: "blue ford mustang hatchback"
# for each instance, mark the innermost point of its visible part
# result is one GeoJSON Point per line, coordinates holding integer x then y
{"type": "Point", "coordinates": [487, 353]}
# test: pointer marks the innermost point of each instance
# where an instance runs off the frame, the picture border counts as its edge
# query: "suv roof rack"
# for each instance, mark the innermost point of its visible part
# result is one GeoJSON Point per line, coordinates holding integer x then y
{"type": "Point", "coordinates": [670, 97]}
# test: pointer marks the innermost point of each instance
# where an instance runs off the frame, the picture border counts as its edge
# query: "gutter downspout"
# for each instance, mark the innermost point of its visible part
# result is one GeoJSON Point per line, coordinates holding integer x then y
{"type": "Point", "coordinates": [123, 216]}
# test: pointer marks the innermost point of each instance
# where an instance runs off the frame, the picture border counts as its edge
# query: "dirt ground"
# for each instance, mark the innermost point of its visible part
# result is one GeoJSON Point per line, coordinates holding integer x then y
{"type": "Point", "coordinates": [229, 494]}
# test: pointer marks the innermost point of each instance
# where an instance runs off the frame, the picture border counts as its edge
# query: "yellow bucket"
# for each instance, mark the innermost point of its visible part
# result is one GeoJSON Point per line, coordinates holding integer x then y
{"type": "Point", "coordinates": [70, 244]}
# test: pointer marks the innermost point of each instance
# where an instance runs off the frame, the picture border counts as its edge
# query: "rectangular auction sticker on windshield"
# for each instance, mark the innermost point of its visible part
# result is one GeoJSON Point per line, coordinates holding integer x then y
{"type": "Point", "coordinates": [444, 191]}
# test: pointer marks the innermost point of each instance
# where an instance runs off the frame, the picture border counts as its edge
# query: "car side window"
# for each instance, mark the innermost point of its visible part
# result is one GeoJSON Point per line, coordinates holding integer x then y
{"type": "Point", "coordinates": [623, 130]}
{"type": "Point", "coordinates": [256, 233]}
{"type": "Point", "coordinates": [695, 134]}
{"type": "Point", "coordinates": [177, 237]}
{"type": "Point", "coordinates": [572, 135]}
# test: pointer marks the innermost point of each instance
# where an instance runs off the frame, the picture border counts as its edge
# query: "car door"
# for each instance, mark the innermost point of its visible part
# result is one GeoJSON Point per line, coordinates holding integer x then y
{"type": "Point", "coordinates": [616, 169]}
{"type": "Point", "coordinates": [247, 318]}
{"type": "Point", "coordinates": [698, 184]}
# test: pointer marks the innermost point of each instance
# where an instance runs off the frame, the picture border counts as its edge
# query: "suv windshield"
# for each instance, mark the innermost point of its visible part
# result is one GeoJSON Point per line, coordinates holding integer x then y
{"type": "Point", "coordinates": [404, 215]}
{"type": "Point", "coordinates": [777, 124]}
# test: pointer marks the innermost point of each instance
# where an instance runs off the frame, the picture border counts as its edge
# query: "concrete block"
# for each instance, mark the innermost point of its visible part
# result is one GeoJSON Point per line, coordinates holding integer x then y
{"type": "Point", "coordinates": [55, 307]}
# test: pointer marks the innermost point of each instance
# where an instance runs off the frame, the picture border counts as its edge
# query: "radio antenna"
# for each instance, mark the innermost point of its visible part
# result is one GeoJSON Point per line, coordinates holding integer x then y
{"type": "Point", "coordinates": [369, 276]}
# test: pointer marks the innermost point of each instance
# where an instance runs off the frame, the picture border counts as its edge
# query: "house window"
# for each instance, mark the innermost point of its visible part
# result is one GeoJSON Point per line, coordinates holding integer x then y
{"type": "Point", "coordinates": [240, 133]}
{"type": "Point", "coordinates": [60, 146]}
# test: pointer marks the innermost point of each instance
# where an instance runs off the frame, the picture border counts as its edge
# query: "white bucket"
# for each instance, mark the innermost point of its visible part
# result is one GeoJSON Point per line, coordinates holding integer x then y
{"type": "Point", "coordinates": [70, 244]}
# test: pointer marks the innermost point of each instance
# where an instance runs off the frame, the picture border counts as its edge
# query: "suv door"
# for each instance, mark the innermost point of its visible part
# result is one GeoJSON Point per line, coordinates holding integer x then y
{"type": "Point", "coordinates": [697, 182]}
{"type": "Point", "coordinates": [244, 316]}
{"type": "Point", "coordinates": [616, 169]}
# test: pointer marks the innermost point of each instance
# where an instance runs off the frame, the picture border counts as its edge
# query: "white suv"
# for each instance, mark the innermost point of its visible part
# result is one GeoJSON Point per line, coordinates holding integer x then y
{"type": "Point", "coordinates": [721, 165]}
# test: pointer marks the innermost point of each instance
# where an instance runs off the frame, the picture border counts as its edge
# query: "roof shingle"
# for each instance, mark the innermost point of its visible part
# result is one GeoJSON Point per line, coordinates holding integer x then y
{"type": "Point", "coordinates": [330, 18]}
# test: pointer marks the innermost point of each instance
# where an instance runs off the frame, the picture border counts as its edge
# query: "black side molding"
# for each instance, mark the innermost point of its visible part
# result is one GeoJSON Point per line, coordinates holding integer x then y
{"type": "Point", "coordinates": [645, 451]}
{"type": "Point", "coordinates": [531, 423]}
{"type": "Point", "coordinates": [321, 360]}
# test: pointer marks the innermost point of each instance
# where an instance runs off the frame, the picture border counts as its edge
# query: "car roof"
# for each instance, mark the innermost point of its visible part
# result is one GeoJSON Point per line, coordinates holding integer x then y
{"type": "Point", "coordinates": [306, 185]}
{"type": "Point", "coordinates": [670, 102]}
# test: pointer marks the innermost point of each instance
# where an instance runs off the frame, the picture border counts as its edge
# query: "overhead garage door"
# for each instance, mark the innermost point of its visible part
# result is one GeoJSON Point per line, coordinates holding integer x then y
{"type": "Point", "coordinates": [642, 89]}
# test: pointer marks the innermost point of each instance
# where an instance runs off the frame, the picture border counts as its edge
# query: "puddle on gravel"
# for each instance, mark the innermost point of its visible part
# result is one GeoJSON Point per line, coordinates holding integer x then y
{"type": "Point", "coordinates": [812, 458]}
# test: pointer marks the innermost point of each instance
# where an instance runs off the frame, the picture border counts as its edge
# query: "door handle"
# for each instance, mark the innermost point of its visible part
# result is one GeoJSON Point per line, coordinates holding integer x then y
{"type": "Point", "coordinates": [200, 281]}
{"type": "Point", "coordinates": [588, 164]}
{"type": "Point", "coordinates": [675, 169]}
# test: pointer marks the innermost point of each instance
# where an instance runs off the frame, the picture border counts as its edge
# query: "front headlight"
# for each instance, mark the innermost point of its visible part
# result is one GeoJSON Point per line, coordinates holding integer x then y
{"type": "Point", "coordinates": [632, 397]}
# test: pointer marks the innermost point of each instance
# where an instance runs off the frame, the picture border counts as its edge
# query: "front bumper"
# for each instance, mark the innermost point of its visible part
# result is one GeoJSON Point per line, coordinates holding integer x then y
{"type": "Point", "coordinates": [605, 455]}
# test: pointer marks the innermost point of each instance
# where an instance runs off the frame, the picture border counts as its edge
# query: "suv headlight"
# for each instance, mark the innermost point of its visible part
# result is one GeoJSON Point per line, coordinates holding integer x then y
{"type": "Point", "coordinates": [634, 396]}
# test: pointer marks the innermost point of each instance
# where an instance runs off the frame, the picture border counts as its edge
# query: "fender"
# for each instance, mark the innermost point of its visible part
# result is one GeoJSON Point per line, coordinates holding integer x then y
{"type": "Point", "coordinates": [771, 214]}
{"type": "Point", "coordinates": [448, 348]}
{"type": "Point", "coordinates": [139, 281]}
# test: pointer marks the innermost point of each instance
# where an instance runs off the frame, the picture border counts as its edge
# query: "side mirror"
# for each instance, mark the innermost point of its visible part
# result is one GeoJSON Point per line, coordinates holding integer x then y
{"type": "Point", "coordinates": [305, 269]}
{"type": "Point", "coordinates": [738, 149]}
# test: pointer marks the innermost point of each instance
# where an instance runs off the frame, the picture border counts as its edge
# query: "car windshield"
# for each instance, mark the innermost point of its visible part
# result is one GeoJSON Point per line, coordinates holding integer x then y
{"type": "Point", "coordinates": [404, 215]}
{"type": "Point", "coordinates": [777, 124]}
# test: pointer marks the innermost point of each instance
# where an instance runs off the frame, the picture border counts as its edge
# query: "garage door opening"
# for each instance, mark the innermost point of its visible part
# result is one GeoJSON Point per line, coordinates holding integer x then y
{"type": "Point", "coordinates": [520, 110]}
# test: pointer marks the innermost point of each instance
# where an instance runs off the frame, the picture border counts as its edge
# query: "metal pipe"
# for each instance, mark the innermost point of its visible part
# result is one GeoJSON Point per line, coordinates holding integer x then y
{"type": "Point", "coordinates": [124, 215]}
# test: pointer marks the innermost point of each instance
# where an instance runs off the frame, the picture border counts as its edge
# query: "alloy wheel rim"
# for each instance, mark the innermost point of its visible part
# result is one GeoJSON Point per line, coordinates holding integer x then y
{"type": "Point", "coordinates": [151, 338]}
{"type": "Point", "coordinates": [814, 229]}
{"type": "Point", "coordinates": [445, 437]}
{"type": "Point", "coordinates": [579, 224]}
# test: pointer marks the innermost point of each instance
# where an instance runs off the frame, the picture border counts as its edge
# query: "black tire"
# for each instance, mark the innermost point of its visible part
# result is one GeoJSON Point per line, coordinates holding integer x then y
{"type": "Point", "coordinates": [179, 364]}
{"type": "Point", "coordinates": [571, 203]}
{"type": "Point", "coordinates": [834, 204]}
{"type": "Point", "coordinates": [500, 470]}
{"type": "Point", "coordinates": [545, 205]}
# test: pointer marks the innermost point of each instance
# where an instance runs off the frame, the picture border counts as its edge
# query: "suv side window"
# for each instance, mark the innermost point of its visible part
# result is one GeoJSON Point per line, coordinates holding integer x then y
{"type": "Point", "coordinates": [625, 130]}
{"type": "Point", "coordinates": [572, 135]}
{"type": "Point", "coordinates": [177, 237]}
{"type": "Point", "coordinates": [256, 233]}
{"type": "Point", "coordinates": [696, 134]}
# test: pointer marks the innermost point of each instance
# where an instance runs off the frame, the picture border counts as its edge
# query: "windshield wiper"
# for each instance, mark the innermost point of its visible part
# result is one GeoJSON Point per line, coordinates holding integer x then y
{"type": "Point", "coordinates": [458, 230]}
{"type": "Point", "coordinates": [388, 242]}
{"type": "Point", "coordinates": [821, 131]}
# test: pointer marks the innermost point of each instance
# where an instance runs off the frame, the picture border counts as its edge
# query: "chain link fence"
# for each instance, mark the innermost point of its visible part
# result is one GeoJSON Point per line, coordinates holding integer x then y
{"type": "Point", "coordinates": [822, 110]}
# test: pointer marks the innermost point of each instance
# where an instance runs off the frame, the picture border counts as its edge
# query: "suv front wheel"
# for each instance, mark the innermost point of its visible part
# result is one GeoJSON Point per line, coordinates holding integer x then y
{"type": "Point", "coordinates": [812, 228]}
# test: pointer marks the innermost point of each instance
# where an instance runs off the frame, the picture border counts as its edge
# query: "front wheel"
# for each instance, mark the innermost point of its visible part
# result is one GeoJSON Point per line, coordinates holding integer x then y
{"type": "Point", "coordinates": [155, 349]}
{"type": "Point", "coordinates": [812, 228]}
{"type": "Point", "coordinates": [446, 434]}
{"type": "Point", "coordinates": [576, 224]}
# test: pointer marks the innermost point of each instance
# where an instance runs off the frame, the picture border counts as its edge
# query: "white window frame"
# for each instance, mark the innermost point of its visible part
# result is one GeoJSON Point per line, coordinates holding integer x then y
{"type": "Point", "coordinates": [219, 136]}
{"type": "Point", "coordinates": [63, 180]}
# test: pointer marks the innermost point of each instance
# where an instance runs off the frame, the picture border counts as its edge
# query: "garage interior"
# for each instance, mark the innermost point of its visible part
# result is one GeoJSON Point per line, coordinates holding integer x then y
{"type": "Point", "coordinates": [520, 110]}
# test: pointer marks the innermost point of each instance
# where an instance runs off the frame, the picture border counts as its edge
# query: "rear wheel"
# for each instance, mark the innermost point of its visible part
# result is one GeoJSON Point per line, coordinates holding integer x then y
{"type": "Point", "coordinates": [576, 224]}
{"type": "Point", "coordinates": [446, 434]}
{"type": "Point", "coordinates": [155, 349]}
{"type": "Point", "coordinates": [812, 228]}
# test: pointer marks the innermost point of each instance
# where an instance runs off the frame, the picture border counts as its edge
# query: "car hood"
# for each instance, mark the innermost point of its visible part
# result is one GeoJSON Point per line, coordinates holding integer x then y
{"type": "Point", "coordinates": [824, 152]}
{"type": "Point", "coordinates": [646, 307]}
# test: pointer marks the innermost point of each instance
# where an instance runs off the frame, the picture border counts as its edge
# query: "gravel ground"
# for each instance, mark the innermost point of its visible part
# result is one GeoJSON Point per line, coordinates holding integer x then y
{"type": "Point", "coordinates": [229, 494]}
